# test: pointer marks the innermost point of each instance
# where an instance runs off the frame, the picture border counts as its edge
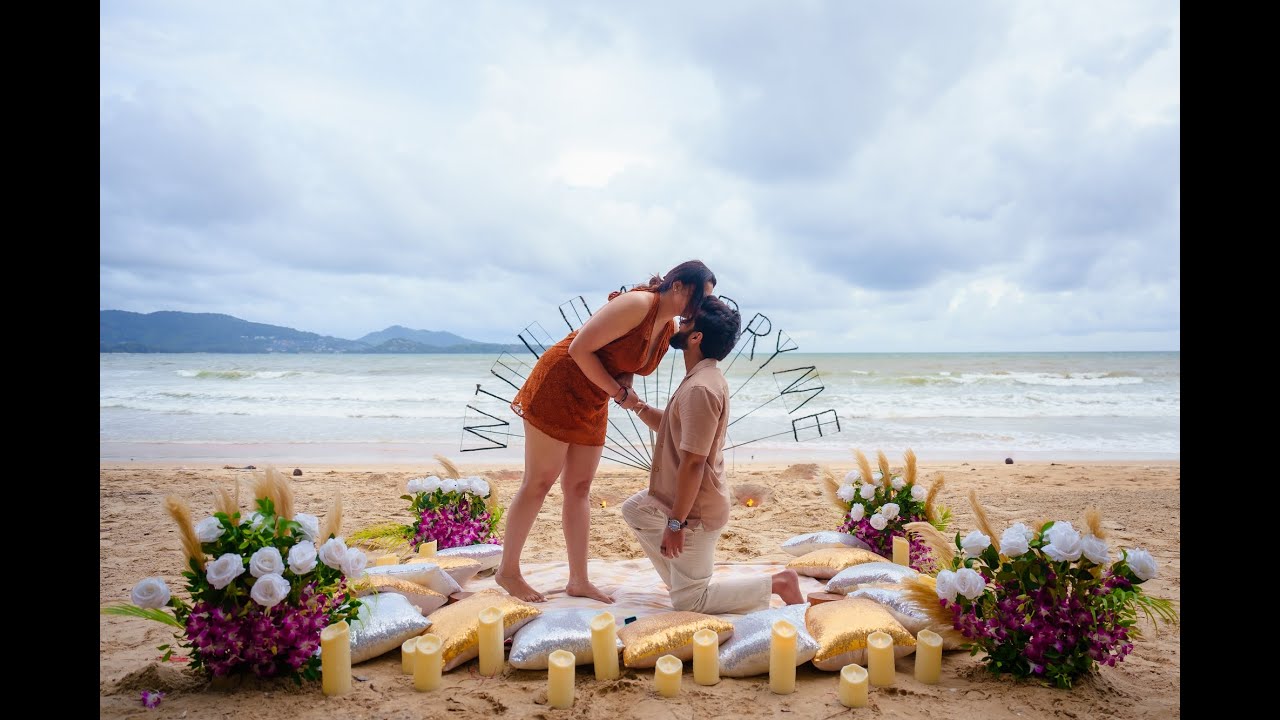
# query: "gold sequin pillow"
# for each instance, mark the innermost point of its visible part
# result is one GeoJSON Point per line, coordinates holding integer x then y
{"type": "Point", "coordinates": [841, 629]}
{"type": "Point", "coordinates": [421, 597]}
{"type": "Point", "coordinates": [826, 563]}
{"type": "Point", "coordinates": [458, 625]}
{"type": "Point", "coordinates": [461, 569]}
{"type": "Point", "coordinates": [668, 633]}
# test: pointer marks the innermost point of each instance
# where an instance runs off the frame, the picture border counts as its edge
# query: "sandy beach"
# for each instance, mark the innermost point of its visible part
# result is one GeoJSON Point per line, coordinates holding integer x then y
{"type": "Point", "coordinates": [1139, 502]}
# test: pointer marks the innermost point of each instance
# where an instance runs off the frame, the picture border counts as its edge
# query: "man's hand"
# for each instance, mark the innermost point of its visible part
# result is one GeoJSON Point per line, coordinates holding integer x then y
{"type": "Point", "coordinates": [672, 543]}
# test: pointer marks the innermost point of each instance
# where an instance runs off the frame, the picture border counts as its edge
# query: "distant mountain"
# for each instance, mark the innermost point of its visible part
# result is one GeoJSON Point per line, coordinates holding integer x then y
{"type": "Point", "coordinates": [169, 331]}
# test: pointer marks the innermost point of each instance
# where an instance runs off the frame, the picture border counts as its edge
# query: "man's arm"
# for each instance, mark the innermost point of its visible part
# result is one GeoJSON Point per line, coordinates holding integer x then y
{"type": "Point", "coordinates": [649, 415]}
{"type": "Point", "coordinates": [688, 482]}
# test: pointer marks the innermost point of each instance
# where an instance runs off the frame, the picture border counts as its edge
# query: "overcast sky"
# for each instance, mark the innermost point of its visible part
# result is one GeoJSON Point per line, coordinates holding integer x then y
{"type": "Point", "coordinates": [872, 176]}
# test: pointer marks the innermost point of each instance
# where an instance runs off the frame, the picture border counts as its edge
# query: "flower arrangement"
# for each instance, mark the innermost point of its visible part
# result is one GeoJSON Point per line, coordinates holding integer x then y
{"type": "Point", "coordinates": [1047, 601]}
{"type": "Point", "coordinates": [877, 505]}
{"type": "Point", "coordinates": [455, 511]}
{"type": "Point", "coordinates": [261, 588]}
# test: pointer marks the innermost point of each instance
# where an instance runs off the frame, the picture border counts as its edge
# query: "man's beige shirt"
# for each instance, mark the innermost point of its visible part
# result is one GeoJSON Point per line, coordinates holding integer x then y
{"type": "Point", "coordinates": [695, 420]}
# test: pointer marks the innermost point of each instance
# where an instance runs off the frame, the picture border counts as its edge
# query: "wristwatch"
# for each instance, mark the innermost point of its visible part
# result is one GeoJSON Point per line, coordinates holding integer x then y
{"type": "Point", "coordinates": [675, 525]}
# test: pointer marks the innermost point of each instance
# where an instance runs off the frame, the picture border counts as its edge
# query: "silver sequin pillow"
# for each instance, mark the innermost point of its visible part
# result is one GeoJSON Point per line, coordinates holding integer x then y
{"type": "Point", "coordinates": [563, 629]}
{"type": "Point", "coordinates": [426, 574]}
{"type": "Point", "coordinates": [851, 578]}
{"type": "Point", "coordinates": [487, 554]}
{"type": "Point", "coordinates": [384, 621]}
{"type": "Point", "coordinates": [747, 652]}
{"type": "Point", "coordinates": [801, 544]}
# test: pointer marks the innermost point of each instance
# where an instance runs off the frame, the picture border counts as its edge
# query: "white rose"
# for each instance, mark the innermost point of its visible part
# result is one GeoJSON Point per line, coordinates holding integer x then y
{"type": "Point", "coordinates": [974, 543]}
{"type": "Point", "coordinates": [918, 493]}
{"type": "Point", "coordinates": [876, 477]}
{"type": "Point", "coordinates": [969, 583]}
{"type": "Point", "coordinates": [222, 571]}
{"type": "Point", "coordinates": [947, 585]}
{"type": "Point", "coordinates": [857, 512]}
{"type": "Point", "coordinates": [467, 486]}
{"type": "Point", "coordinates": [209, 529]}
{"type": "Point", "coordinates": [266, 561]}
{"type": "Point", "coordinates": [1014, 540]}
{"type": "Point", "coordinates": [898, 482]}
{"type": "Point", "coordinates": [333, 552]}
{"type": "Point", "coordinates": [414, 487]}
{"type": "Point", "coordinates": [430, 484]}
{"type": "Point", "coordinates": [878, 522]}
{"type": "Point", "coordinates": [449, 486]}
{"type": "Point", "coordinates": [867, 492]}
{"type": "Point", "coordinates": [269, 590]}
{"type": "Point", "coordinates": [847, 493]}
{"type": "Point", "coordinates": [1095, 548]}
{"type": "Point", "coordinates": [889, 510]}
{"type": "Point", "coordinates": [1064, 542]}
{"type": "Point", "coordinates": [482, 486]}
{"type": "Point", "coordinates": [150, 593]}
{"type": "Point", "coordinates": [853, 477]}
{"type": "Point", "coordinates": [1141, 563]}
{"type": "Point", "coordinates": [354, 563]}
{"type": "Point", "coordinates": [302, 557]}
{"type": "Point", "coordinates": [310, 525]}
{"type": "Point", "coordinates": [253, 520]}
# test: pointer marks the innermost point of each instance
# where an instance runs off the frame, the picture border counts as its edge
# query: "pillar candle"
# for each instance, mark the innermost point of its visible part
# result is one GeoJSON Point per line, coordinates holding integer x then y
{"type": "Point", "coordinates": [561, 667]}
{"type": "Point", "coordinates": [853, 686]}
{"type": "Point", "coordinates": [901, 550]}
{"type": "Point", "coordinates": [428, 663]}
{"type": "Point", "coordinates": [666, 675]}
{"type": "Point", "coordinates": [604, 645]}
{"type": "Point", "coordinates": [491, 641]}
{"type": "Point", "coordinates": [928, 657]}
{"type": "Point", "coordinates": [427, 549]}
{"type": "Point", "coordinates": [386, 560]}
{"type": "Point", "coordinates": [706, 657]}
{"type": "Point", "coordinates": [408, 655]}
{"type": "Point", "coordinates": [335, 659]}
{"type": "Point", "coordinates": [880, 668]}
{"type": "Point", "coordinates": [782, 658]}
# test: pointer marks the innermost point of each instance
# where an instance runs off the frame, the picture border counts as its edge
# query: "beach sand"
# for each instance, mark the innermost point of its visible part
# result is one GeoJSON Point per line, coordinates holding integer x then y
{"type": "Point", "coordinates": [1139, 502]}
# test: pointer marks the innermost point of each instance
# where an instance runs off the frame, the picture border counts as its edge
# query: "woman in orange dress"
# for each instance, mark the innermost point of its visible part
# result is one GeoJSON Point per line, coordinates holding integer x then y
{"type": "Point", "coordinates": [565, 407]}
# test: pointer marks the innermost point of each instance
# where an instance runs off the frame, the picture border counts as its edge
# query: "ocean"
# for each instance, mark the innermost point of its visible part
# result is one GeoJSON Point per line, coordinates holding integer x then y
{"type": "Point", "coordinates": [404, 409]}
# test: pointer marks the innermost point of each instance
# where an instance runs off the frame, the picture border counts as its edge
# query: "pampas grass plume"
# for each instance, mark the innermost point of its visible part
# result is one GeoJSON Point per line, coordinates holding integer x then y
{"type": "Point", "coordinates": [830, 484]}
{"type": "Point", "coordinates": [883, 461]}
{"type": "Point", "coordinates": [983, 523]}
{"type": "Point", "coordinates": [449, 468]}
{"type": "Point", "coordinates": [1093, 519]}
{"type": "Point", "coordinates": [864, 466]}
{"type": "Point", "coordinates": [332, 522]}
{"type": "Point", "coordinates": [181, 514]}
{"type": "Point", "coordinates": [909, 475]}
{"type": "Point", "coordinates": [934, 489]}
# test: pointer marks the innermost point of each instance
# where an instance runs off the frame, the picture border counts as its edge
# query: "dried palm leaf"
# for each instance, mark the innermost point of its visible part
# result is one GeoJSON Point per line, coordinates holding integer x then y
{"type": "Point", "coordinates": [944, 550]}
{"type": "Point", "coordinates": [923, 590]}
{"type": "Point", "coordinates": [983, 523]}
{"type": "Point", "coordinates": [181, 514]}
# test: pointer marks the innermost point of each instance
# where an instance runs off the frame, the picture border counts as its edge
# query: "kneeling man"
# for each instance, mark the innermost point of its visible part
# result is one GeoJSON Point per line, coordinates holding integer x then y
{"type": "Point", "coordinates": [679, 518]}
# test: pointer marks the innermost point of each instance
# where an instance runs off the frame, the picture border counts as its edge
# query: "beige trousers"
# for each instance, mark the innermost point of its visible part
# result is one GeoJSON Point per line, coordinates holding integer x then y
{"type": "Point", "coordinates": [688, 577]}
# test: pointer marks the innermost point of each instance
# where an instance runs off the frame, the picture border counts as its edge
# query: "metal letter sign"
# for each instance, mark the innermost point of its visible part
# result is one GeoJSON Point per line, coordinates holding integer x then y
{"type": "Point", "coordinates": [490, 424]}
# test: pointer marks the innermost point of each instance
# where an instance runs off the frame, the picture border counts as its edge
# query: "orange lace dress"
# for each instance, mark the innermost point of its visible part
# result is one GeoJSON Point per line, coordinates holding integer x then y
{"type": "Point", "coordinates": [558, 399]}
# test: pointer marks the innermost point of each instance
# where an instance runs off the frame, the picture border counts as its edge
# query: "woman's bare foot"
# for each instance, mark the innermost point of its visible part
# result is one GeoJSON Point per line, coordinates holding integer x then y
{"type": "Point", "coordinates": [587, 590]}
{"type": "Point", "coordinates": [786, 585]}
{"type": "Point", "coordinates": [518, 588]}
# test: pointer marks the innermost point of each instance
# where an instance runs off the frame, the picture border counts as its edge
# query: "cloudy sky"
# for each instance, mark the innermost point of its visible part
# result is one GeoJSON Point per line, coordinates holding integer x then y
{"type": "Point", "coordinates": [871, 175]}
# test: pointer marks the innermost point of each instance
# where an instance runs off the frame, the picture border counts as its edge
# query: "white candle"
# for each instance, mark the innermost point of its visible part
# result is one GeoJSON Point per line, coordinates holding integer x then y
{"type": "Point", "coordinates": [782, 658]}
{"type": "Point", "coordinates": [604, 646]}
{"type": "Point", "coordinates": [335, 659]}
{"type": "Point", "coordinates": [561, 667]}
{"type": "Point", "coordinates": [928, 657]}
{"type": "Point", "coordinates": [427, 549]}
{"type": "Point", "coordinates": [901, 550]}
{"type": "Point", "coordinates": [429, 663]}
{"type": "Point", "coordinates": [490, 641]}
{"type": "Point", "coordinates": [706, 657]}
{"type": "Point", "coordinates": [408, 655]}
{"type": "Point", "coordinates": [880, 668]}
{"type": "Point", "coordinates": [853, 686]}
{"type": "Point", "coordinates": [666, 675]}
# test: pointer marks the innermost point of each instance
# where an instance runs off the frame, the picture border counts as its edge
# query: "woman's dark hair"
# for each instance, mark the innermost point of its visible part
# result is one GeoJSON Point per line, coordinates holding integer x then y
{"type": "Point", "coordinates": [693, 273]}
{"type": "Point", "coordinates": [720, 326]}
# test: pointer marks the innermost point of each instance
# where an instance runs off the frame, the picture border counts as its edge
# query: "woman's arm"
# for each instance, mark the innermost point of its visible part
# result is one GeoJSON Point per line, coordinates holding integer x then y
{"type": "Point", "coordinates": [615, 319]}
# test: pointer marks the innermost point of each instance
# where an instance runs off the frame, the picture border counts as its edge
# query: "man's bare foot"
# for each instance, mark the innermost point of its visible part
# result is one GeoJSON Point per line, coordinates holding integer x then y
{"type": "Point", "coordinates": [518, 588]}
{"type": "Point", "coordinates": [786, 585]}
{"type": "Point", "coordinates": [587, 590]}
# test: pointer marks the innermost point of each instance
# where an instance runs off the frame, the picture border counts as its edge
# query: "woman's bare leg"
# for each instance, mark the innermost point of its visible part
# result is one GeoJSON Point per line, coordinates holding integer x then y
{"type": "Point", "coordinates": [544, 458]}
{"type": "Point", "coordinates": [579, 470]}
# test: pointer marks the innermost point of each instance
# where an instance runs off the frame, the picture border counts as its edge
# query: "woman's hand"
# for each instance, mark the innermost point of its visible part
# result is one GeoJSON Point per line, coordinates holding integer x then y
{"type": "Point", "coordinates": [632, 399]}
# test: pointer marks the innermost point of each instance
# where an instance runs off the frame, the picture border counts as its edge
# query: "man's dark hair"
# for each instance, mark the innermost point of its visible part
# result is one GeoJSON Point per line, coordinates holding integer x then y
{"type": "Point", "coordinates": [720, 326]}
